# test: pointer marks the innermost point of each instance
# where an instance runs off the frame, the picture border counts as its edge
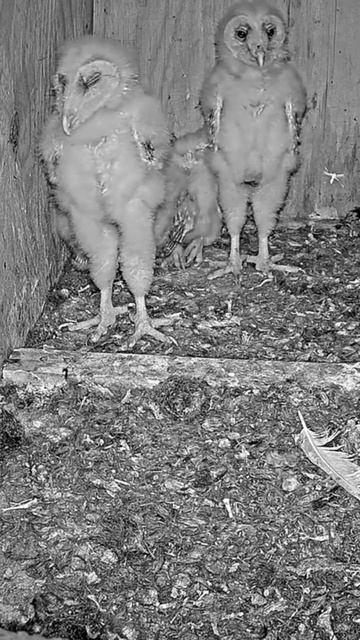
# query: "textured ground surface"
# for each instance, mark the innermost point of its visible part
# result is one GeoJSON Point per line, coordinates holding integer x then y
{"type": "Point", "coordinates": [313, 314]}
{"type": "Point", "coordinates": [190, 512]}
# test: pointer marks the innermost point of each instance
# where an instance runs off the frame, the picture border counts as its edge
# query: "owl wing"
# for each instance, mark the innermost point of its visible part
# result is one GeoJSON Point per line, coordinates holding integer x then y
{"type": "Point", "coordinates": [51, 146]}
{"type": "Point", "coordinates": [182, 223]}
{"type": "Point", "coordinates": [211, 104]}
{"type": "Point", "coordinates": [295, 91]}
{"type": "Point", "coordinates": [149, 130]}
{"type": "Point", "coordinates": [295, 103]}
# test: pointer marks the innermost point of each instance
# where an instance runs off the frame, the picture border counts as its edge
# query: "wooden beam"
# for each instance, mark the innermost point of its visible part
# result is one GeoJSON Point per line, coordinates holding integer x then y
{"type": "Point", "coordinates": [44, 370]}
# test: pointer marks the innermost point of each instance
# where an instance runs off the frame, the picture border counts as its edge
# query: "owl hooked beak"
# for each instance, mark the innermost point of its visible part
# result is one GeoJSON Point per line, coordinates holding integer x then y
{"type": "Point", "coordinates": [260, 57]}
{"type": "Point", "coordinates": [68, 122]}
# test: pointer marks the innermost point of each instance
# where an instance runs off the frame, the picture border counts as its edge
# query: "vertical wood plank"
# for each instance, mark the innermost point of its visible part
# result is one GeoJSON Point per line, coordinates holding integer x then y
{"type": "Point", "coordinates": [29, 252]}
{"type": "Point", "coordinates": [174, 40]}
{"type": "Point", "coordinates": [174, 43]}
{"type": "Point", "coordinates": [328, 50]}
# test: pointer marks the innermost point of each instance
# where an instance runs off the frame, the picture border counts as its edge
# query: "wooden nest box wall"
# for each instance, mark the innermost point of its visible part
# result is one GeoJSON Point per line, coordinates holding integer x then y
{"type": "Point", "coordinates": [174, 40]}
{"type": "Point", "coordinates": [30, 253]}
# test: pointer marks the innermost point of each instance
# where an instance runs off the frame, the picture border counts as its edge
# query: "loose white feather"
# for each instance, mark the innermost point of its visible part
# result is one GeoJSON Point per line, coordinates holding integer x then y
{"type": "Point", "coordinates": [335, 462]}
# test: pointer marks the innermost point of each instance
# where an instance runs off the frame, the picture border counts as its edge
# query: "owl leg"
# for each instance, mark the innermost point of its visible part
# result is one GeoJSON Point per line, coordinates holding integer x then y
{"type": "Point", "coordinates": [202, 236]}
{"type": "Point", "coordinates": [137, 253]}
{"type": "Point", "coordinates": [267, 200]}
{"type": "Point", "coordinates": [233, 201]}
{"type": "Point", "coordinates": [207, 218]}
{"type": "Point", "coordinates": [64, 229]}
{"type": "Point", "coordinates": [100, 243]}
{"type": "Point", "coordinates": [194, 251]}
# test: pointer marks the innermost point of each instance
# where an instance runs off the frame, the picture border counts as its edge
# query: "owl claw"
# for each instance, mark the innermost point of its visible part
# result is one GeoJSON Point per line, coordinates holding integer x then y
{"type": "Point", "coordinates": [178, 257]}
{"type": "Point", "coordinates": [194, 252]}
{"type": "Point", "coordinates": [143, 327]}
{"type": "Point", "coordinates": [233, 266]}
{"type": "Point", "coordinates": [265, 266]}
{"type": "Point", "coordinates": [261, 264]}
{"type": "Point", "coordinates": [101, 322]}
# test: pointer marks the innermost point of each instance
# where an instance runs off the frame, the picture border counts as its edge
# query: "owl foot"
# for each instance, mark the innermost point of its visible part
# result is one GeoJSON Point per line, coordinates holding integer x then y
{"type": "Point", "coordinates": [101, 322]}
{"type": "Point", "coordinates": [271, 264]}
{"type": "Point", "coordinates": [261, 263]}
{"type": "Point", "coordinates": [145, 327]}
{"type": "Point", "coordinates": [234, 266]}
{"type": "Point", "coordinates": [176, 258]}
{"type": "Point", "coordinates": [194, 252]}
{"type": "Point", "coordinates": [181, 258]}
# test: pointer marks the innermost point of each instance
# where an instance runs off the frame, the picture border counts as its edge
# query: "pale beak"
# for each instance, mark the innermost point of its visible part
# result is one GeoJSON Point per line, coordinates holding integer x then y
{"type": "Point", "coordinates": [260, 56]}
{"type": "Point", "coordinates": [67, 122]}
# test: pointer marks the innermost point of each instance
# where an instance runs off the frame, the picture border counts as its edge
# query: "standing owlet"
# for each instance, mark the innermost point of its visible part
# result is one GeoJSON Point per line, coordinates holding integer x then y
{"type": "Point", "coordinates": [104, 147]}
{"type": "Point", "coordinates": [189, 215]}
{"type": "Point", "coordinates": [253, 102]}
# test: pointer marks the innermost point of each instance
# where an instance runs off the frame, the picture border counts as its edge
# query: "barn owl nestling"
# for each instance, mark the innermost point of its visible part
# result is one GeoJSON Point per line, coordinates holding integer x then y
{"type": "Point", "coordinates": [189, 216]}
{"type": "Point", "coordinates": [253, 102]}
{"type": "Point", "coordinates": [104, 146]}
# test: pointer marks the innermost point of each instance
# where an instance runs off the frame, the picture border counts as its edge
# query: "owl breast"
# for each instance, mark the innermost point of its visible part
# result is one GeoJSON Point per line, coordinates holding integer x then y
{"type": "Point", "coordinates": [118, 164]}
{"type": "Point", "coordinates": [90, 172]}
{"type": "Point", "coordinates": [254, 136]}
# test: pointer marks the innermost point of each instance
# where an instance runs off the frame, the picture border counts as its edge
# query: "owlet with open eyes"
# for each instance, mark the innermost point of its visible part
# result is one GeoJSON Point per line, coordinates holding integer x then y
{"type": "Point", "coordinates": [253, 102]}
{"type": "Point", "coordinates": [104, 146]}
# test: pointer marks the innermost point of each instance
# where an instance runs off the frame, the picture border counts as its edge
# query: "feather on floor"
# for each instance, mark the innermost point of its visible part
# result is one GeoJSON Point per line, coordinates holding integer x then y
{"type": "Point", "coordinates": [335, 462]}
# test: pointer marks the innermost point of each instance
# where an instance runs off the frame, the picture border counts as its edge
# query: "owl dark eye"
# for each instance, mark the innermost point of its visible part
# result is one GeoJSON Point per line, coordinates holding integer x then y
{"type": "Point", "coordinates": [61, 78]}
{"type": "Point", "coordinates": [87, 83]}
{"type": "Point", "coordinates": [58, 87]}
{"type": "Point", "coordinates": [270, 30]}
{"type": "Point", "coordinates": [241, 33]}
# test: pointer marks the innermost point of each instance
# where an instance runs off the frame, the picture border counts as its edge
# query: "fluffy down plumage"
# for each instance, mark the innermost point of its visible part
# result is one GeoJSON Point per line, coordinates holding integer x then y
{"type": "Point", "coordinates": [253, 102]}
{"type": "Point", "coordinates": [189, 216]}
{"type": "Point", "coordinates": [104, 146]}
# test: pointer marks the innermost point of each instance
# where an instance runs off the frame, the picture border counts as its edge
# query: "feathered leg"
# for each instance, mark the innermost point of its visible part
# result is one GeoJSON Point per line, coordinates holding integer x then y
{"type": "Point", "coordinates": [137, 254]}
{"type": "Point", "coordinates": [233, 200]}
{"type": "Point", "coordinates": [65, 231]}
{"type": "Point", "coordinates": [203, 188]}
{"type": "Point", "coordinates": [100, 243]}
{"type": "Point", "coordinates": [266, 202]}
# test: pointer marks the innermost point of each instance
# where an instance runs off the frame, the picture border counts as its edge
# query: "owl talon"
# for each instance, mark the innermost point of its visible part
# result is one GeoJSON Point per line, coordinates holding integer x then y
{"type": "Point", "coordinates": [261, 264]}
{"type": "Point", "coordinates": [178, 257]}
{"type": "Point", "coordinates": [102, 323]}
{"type": "Point", "coordinates": [194, 252]}
{"type": "Point", "coordinates": [265, 266]}
{"type": "Point", "coordinates": [235, 269]}
{"type": "Point", "coordinates": [143, 327]}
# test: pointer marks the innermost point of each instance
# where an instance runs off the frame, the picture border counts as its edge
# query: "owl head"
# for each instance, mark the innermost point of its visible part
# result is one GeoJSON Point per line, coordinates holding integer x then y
{"type": "Point", "coordinates": [252, 33]}
{"type": "Point", "coordinates": [92, 73]}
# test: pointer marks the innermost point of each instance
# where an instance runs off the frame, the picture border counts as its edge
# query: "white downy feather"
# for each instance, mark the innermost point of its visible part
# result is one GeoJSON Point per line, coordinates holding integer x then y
{"type": "Point", "coordinates": [335, 462]}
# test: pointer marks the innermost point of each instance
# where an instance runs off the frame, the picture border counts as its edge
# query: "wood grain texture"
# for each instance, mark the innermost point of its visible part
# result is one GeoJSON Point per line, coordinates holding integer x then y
{"type": "Point", "coordinates": [30, 256]}
{"type": "Point", "coordinates": [328, 51]}
{"type": "Point", "coordinates": [42, 370]}
{"type": "Point", "coordinates": [174, 41]}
